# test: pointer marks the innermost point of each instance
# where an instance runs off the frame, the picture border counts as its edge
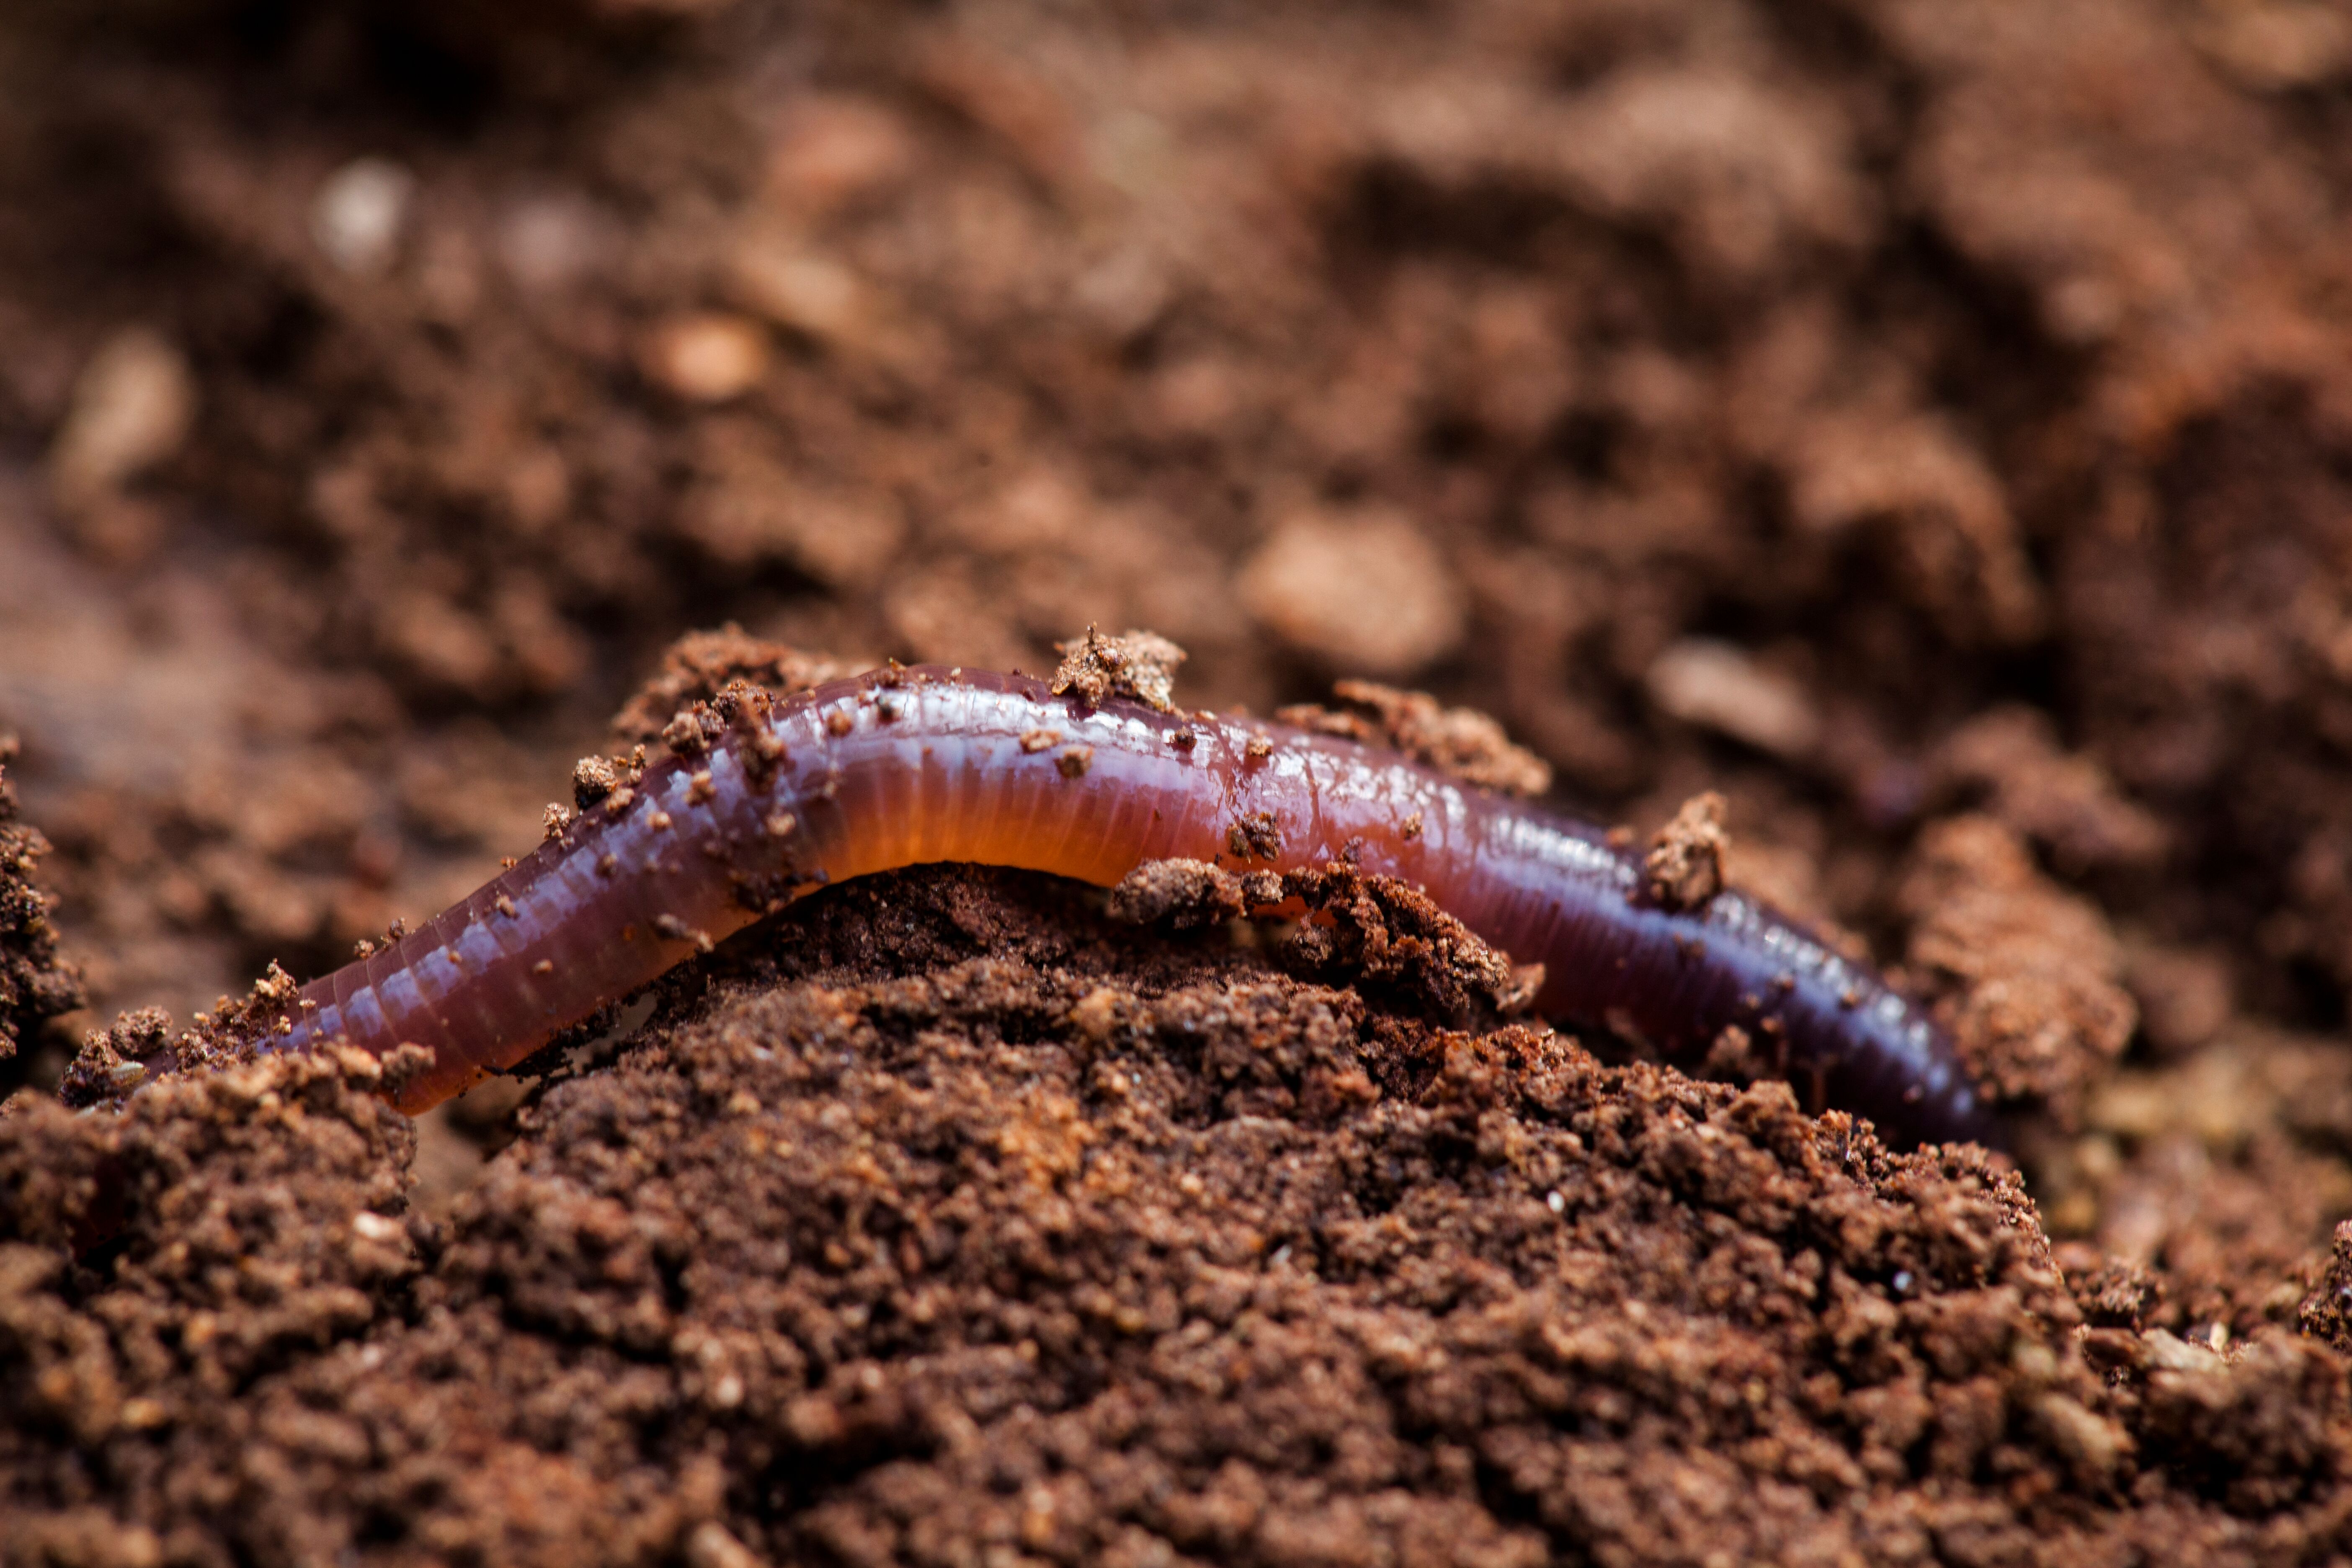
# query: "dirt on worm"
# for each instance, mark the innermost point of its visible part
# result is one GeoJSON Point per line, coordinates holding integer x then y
{"type": "Point", "coordinates": [1925, 425]}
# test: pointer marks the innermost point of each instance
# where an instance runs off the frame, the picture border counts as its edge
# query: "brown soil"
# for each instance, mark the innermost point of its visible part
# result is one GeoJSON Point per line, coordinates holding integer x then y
{"type": "Point", "coordinates": [1927, 425]}
{"type": "Point", "coordinates": [36, 985]}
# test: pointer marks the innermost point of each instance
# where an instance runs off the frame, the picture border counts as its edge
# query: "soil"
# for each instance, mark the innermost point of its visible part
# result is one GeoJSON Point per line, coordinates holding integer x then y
{"type": "Point", "coordinates": [1927, 427]}
{"type": "Point", "coordinates": [35, 984]}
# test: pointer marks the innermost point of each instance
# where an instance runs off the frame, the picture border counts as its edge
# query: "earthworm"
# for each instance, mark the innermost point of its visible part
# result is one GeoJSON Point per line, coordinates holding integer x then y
{"type": "Point", "coordinates": [908, 766]}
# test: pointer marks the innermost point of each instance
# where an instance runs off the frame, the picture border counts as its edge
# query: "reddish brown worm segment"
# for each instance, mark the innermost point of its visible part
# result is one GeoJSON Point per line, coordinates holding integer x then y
{"type": "Point", "coordinates": [912, 766]}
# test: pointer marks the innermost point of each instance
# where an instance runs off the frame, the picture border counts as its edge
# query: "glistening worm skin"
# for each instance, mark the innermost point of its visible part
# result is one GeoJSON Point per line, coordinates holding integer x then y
{"type": "Point", "coordinates": [917, 765]}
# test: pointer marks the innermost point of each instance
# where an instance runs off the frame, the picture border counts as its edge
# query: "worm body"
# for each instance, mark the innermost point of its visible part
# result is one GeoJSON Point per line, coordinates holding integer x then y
{"type": "Point", "coordinates": [919, 765]}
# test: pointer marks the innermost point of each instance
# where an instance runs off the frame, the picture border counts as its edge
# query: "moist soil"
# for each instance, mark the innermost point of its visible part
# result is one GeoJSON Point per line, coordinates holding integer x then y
{"type": "Point", "coordinates": [1925, 426]}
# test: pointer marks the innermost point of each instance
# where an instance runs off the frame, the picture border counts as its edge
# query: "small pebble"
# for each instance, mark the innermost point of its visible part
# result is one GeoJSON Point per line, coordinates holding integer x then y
{"type": "Point", "coordinates": [133, 406]}
{"type": "Point", "coordinates": [706, 357]}
{"type": "Point", "coordinates": [711, 1545]}
{"type": "Point", "coordinates": [1719, 685]}
{"type": "Point", "coordinates": [799, 291]}
{"type": "Point", "coordinates": [357, 216]}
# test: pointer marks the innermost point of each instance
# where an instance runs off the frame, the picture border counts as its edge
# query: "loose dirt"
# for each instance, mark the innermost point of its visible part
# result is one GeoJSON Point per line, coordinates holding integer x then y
{"type": "Point", "coordinates": [1926, 426]}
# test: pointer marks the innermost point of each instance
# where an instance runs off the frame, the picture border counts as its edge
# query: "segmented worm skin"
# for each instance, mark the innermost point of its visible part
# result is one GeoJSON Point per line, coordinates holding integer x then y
{"type": "Point", "coordinates": [907, 767]}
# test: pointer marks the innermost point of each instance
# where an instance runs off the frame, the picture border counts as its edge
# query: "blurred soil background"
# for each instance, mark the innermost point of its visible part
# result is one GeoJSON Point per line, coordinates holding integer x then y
{"type": "Point", "coordinates": [1926, 421]}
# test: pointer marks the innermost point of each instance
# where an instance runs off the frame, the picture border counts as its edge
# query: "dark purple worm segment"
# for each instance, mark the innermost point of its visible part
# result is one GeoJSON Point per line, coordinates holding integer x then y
{"type": "Point", "coordinates": [906, 767]}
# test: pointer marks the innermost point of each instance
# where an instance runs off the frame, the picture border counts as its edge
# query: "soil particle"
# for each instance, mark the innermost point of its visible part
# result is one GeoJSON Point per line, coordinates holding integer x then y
{"type": "Point", "coordinates": [1140, 665]}
{"type": "Point", "coordinates": [1181, 893]}
{"type": "Point", "coordinates": [1257, 835]}
{"type": "Point", "coordinates": [690, 733]}
{"type": "Point", "coordinates": [115, 1060]}
{"type": "Point", "coordinates": [134, 406]}
{"type": "Point", "coordinates": [1461, 742]}
{"type": "Point", "coordinates": [699, 666]}
{"type": "Point", "coordinates": [1389, 936]}
{"type": "Point", "coordinates": [593, 779]}
{"type": "Point", "coordinates": [1376, 930]}
{"type": "Point", "coordinates": [1704, 681]}
{"type": "Point", "coordinates": [1684, 866]}
{"type": "Point", "coordinates": [705, 357]}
